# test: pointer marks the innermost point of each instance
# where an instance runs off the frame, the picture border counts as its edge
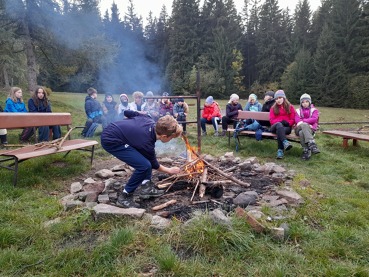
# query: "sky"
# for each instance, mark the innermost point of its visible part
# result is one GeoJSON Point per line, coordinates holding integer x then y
{"type": "Point", "coordinates": [143, 7]}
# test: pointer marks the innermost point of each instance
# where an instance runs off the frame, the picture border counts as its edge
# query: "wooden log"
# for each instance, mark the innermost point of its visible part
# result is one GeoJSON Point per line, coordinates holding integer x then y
{"type": "Point", "coordinates": [164, 205]}
{"type": "Point", "coordinates": [226, 175]}
{"type": "Point", "coordinates": [163, 186]}
{"type": "Point", "coordinates": [217, 183]}
{"type": "Point", "coordinates": [193, 194]}
{"type": "Point", "coordinates": [230, 169]}
{"type": "Point", "coordinates": [203, 178]}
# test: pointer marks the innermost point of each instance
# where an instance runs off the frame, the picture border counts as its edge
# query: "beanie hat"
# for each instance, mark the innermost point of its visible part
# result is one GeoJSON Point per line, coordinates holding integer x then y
{"type": "Point", "coordinates": [233, 97]}
{"type": "Point", "coordinates": [253, 96]}
{"type": "Point", "coordinates": [305, 96]}
{"type": "Point", "coordinates": [165, 94]}
{"type": "Point", "coordinates": [269, 93]}
{"type": "Point", "coordinates": [180, 100]}
{"type": "Point", "coordinates": [149, 93]}
{"type": "Point", "coordinates": [108, 94]}
{"type": "Point", "coordinates": [279, 93]}
{"type": "Point", "coordinates": [209, 100]}
{"type": "Point", "coordinates": [123, 95]}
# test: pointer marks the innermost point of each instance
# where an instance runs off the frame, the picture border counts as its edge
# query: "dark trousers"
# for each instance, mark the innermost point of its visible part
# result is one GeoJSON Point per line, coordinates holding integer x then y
{"type": "Point", "coordinates": [26, 134]}
{"type": "Point", "coordinates": [226, 121]}
{"type": "Point", "coordinates": [182, 118]}
{"type": "Point", "coordinates": [43, 132]}
{"type": "Point", "coordinates": [281, 132]}
{"type": "Point", "coordinates": [100, 120]}
{"type": "Point", "coordinates": [133, 158]}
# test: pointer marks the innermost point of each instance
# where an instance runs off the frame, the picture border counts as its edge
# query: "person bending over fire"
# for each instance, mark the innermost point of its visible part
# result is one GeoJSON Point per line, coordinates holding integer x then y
{"type": "Point", "coordinates": [133, 141]}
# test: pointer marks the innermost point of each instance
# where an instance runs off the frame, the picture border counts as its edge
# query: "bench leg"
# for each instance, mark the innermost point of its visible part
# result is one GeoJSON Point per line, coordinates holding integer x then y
{"type": "Point", "coordinates": [345, 142]}
{"type": "Point", "coordinates": [15, 178]}
{"type": "Point", "coordinates": [92, 153]}
{"type": "Point", "coordinates": [355, 142]}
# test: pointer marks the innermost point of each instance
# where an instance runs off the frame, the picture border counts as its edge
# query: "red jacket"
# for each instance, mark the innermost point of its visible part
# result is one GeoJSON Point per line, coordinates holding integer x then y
{"type": "Point", "coordinates": [283, 115]}
{"type": "Point", "coordinates": [211, 111]}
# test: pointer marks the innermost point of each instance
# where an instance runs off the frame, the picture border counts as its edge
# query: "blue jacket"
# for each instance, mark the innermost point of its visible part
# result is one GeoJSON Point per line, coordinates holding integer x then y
{"type": "Point", "coordinates": [138, 131]}
{"type": "Point", "coordinates": [14, 107]}
{"type": "Point", "coordinates": [92, 107]}
{"type": "Point", "coordinates": [256, 107]}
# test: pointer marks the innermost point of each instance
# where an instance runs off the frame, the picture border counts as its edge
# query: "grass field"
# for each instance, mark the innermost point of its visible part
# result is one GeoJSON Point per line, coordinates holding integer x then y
{"type": "Point", "coordinates": [328, 235]}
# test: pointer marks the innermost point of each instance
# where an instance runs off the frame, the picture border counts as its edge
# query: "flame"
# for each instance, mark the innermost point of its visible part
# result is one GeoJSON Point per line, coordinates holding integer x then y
{"type": "Point", "coordinates": [198, 165]}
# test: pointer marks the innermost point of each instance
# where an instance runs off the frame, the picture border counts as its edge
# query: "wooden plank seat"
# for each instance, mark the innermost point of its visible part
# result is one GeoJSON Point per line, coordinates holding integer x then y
{"type": "Point", "coordinates": [346, 136]}
{"type": "Point", "coordinates": [257, 116]}
{"type": "Point", "coordinates": [10, 158]}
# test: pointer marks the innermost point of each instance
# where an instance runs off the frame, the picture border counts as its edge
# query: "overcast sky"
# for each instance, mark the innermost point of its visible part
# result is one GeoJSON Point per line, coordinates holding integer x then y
{"type": "Point", "coordinates": [143, 7]}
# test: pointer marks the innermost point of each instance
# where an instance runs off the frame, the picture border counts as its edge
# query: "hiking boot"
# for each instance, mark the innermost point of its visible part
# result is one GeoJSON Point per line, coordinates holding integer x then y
{"type": "Point", "coordinates": [280, 154]}
{"type": "Point", "coordinates": [223, 133]}
{"type": "Point", "coordinates": [148, 191]}
{"type": "Point", "coordinates": [203, 134]}
{"type": "Point", "coordinates": [306, 154]}
{"type": "Point", "coordinates": [216, 134]}
{"type": "Point", "coordinates": [184, 133]}
{"type": "Point", "coordinates": [125, 200]}
{"type": "Point", "coordinates": [313, 147]}
{"type": "Point", "coordinates": [287, 146]}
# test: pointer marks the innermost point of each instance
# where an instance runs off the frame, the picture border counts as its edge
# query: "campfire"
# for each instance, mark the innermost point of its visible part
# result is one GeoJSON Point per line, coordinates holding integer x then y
{"type": "Point", "coordinates": [201, 174]}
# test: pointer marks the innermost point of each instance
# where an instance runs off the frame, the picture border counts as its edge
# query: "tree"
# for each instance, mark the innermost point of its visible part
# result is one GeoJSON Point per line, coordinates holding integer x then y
{"type": "Point", "coordinates": [330, 72]}
{"type": "Point", "coordinates": [302, 26]}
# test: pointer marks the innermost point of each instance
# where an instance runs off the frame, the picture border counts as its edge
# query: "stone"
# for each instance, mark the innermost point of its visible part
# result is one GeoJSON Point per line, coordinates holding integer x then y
{"type": "Point", "coordinates": [89, 181]}
{"type": "Point", "coordinates": [69, 197]}
{"type": "Point", "coordinates": [244, 200]}
{"type": "Point", "coordinates": [219, 217]}
{"type": "Point", "coordinates": [109, 184]}
{"type": "Point", "coordinates": [103, 198]}
{"type": "Point", "coordinates": [228, 155]}
{"type": "Point", "coordinates": [72, 204]}
{"type": "Point", "coordinates": [237, 160]}
{"type": "Point", "coordinates": [277, 233]}
{"type": "Point", "coordinates": [278, 169]}
{"type": "Point", "coordinates": [256, 214]}
{"type": "Point", "coordinates": [119, 167]}
{"type": "Point", "coordinates": [97, 187]}
{"type": "Point", "coordinates": [304, 183]}
{"type": "Point", "coordinates": [166, 160]}
{"type": "Point", "coordinates": [101, 211]}
{"type": "Point", "coordinates": [92, 196]}
{"type": "Point", "coordinates": [160, 223]}
{"type": "Point", "coordinates": [245, 166]}
{"type": "Point", "coordinates": [52, 222]}
{"type": "Point", "coordinates": [104, 173]}
{"type": "Point", "coordinates": [291, 196]}
{"type": "Point", "coordinates": [209, 158]}
{"type": "Point", "coordinates": [252, 160]}
{"type": "Point", "coordinates": [75, 187]}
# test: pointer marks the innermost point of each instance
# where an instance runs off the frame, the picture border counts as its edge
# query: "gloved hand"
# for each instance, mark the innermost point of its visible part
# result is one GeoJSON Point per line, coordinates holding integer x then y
{"type": "Point", "coordinates": [285, 123]}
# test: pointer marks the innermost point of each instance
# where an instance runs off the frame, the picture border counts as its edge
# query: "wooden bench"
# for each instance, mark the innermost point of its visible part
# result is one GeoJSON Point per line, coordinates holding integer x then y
{"type": "Point", "coordinates": [264, 116]}
{"type": "Point", "coordinates": [347, 135]}
{"type": "Point", "coordinates": [10, 158]}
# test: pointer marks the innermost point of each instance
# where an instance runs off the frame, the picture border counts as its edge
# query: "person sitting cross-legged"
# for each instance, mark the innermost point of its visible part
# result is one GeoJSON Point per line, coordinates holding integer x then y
{"type": "Point", "coordinates": [210, 115]}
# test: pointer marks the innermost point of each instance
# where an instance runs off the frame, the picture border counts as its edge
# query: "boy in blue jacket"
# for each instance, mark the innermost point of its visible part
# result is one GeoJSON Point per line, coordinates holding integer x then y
{"type": "Point", "coordinates": [132, 141]}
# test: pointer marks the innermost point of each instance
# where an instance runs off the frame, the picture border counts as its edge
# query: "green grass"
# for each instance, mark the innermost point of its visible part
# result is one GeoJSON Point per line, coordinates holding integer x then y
{"type": "Point", "coordinates": [328, 235]}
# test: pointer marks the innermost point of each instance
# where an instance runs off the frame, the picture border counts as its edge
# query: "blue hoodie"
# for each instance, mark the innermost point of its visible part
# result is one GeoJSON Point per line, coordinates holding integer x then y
{"type": "Point", "coordinates": [138, 131]}
{"type": "Point", "coordinates": [14, 107]}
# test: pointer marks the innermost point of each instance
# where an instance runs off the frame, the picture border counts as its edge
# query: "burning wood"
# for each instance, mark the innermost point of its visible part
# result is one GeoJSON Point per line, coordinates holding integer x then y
{"type": "Point", "coordinates": [200, 173]}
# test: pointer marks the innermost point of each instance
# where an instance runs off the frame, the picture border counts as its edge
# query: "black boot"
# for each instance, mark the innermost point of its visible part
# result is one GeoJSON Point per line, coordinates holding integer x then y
{"type": "Point", "coordinates": [306, 154]}
{"type": "Point", "coordinates": [3, 139]}
{"type": "Point", "coordinates": [148, 190]}
{"type": "Point", "coordinates": [313, 147]}
{"type": "Point", "coordinates": [125, 200]}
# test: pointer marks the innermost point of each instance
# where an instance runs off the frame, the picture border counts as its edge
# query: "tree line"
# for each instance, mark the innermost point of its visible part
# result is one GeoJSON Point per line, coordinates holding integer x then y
{"type": "Point", "coordinates": [69, 45]}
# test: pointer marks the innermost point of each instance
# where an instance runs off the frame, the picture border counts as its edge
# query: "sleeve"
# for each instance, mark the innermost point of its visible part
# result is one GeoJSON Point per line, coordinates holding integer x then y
{"type": "Point", "coordinates": [216, 112]}
{"type": "Point", "coordinates": [259, 107]}
{"type": "Point", "coordinates": [31, 106]}
{"type": "Point", "coordinates": [313, 119]}
{"type": "Point", "coordinates": [272, 117]}
{"type": "Point", "coordinates": [88, 108]}
{"type": "Point", "coordinates": [297, 117]}
{"type": "Point", "coordinates": [291, 117]}
{"type": "Point", "coordinates": [247, 107]}
{"type": "Point", "coordinates": [186, 109]}
{"type": "Point", "coordinates": [130, 113]}
{"type": "Point", "coordinates": [10, 107]}
{"type": "Point", "coordinates": [175, 109]}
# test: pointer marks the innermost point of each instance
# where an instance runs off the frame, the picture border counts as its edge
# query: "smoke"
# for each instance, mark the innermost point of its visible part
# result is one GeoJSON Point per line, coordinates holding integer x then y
{"type": "Point", "coordinates": [173, 148]}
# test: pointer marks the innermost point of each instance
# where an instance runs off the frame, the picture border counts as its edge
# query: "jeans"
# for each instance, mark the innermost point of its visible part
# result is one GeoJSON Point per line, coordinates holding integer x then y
{"type": "Point", "coordinates": [131, 156]}
{"type": "Point", "coordinates": [214, 121]}
{"type": "Point", "coordinates": [43, 133]}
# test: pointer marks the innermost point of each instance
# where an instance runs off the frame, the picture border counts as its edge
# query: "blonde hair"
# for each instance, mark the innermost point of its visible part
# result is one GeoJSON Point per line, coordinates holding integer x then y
{"type": "Point", "coordinates": [12, 92]}
{"type": "Point", "coordinates": [168, 126]}
{"type": "Point", "coordinates": [137, 94]}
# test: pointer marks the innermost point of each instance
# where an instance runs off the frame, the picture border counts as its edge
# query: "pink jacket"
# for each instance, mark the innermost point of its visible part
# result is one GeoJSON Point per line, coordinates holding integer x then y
{"type": "Point", "coordinates": [283, 115]}
{"type": "Point", "coordinates": [309, 116]}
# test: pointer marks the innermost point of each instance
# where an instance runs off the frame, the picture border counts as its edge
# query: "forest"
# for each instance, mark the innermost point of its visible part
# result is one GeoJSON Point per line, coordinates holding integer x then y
{"type": "Point", "coordinates": [70, 45]}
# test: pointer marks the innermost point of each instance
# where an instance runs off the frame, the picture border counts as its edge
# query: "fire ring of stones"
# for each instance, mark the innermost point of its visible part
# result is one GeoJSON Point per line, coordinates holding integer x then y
{"type": "Point", "coordinates": [230, 185]}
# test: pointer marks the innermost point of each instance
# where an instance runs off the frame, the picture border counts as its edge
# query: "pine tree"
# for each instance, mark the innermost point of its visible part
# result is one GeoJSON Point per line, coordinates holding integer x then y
{"type": "Point", "coordinates": [330, 72]}
{"type": "Point", "coordinates": [302, 26]}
